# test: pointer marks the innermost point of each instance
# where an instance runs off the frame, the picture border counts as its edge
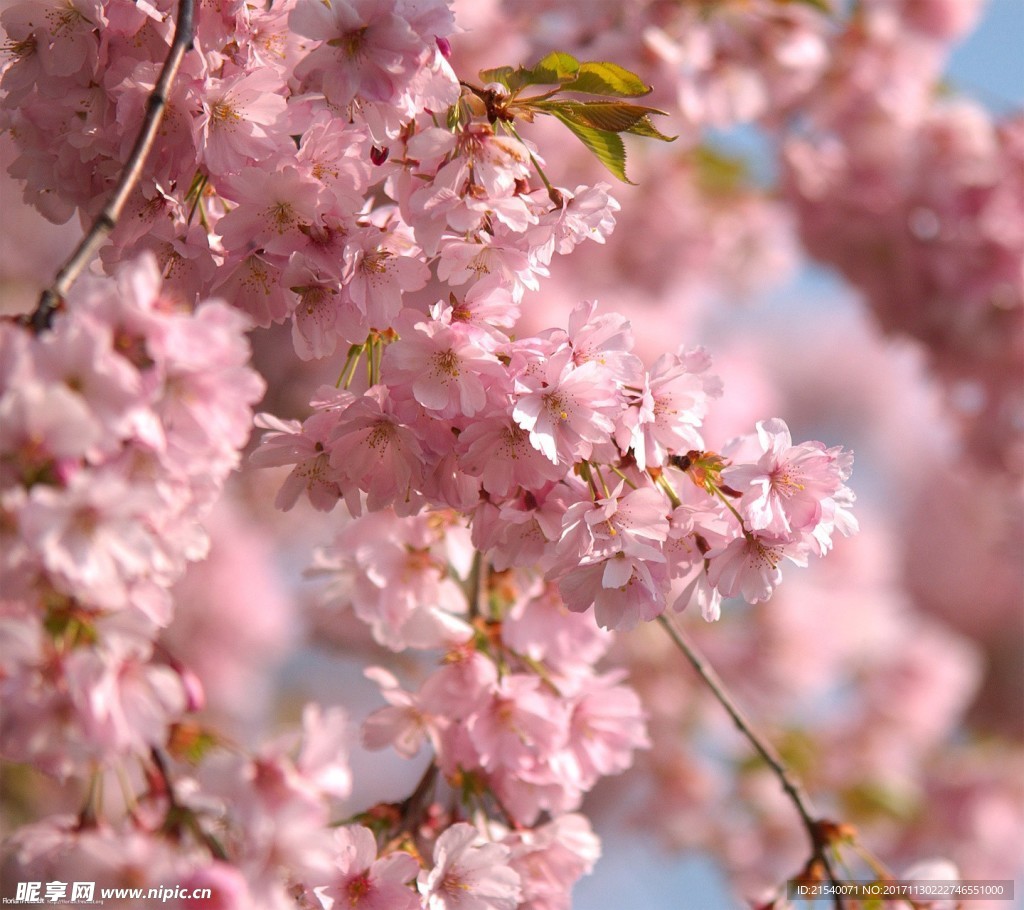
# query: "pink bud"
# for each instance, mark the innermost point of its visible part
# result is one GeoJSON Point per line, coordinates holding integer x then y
{"type": "Point", "coordinates": [195, 696]}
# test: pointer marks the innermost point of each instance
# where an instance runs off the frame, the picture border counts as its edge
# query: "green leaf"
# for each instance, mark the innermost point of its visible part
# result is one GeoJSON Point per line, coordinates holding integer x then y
{"type": "Point", "coordinates": [873, 800]}
{"type": "Point", "coordinates": [606, 146]}
{"type": "Point", "coordinates": [555, 68]}
{"type": "Point", "coordinates": [644, 127]}
{"type": "Point", "coordinates": [611, 116]}
{"type": "Point", "coordinates": [503, 75]}
{"type": "Point", "coordinates": [822, 6]}
{"type": "Point", "coordinates": [512, 79]}
{"type": "Point", "coordinates": [719, 174]}
{"type": "Point", "coordinates": [595, 78]}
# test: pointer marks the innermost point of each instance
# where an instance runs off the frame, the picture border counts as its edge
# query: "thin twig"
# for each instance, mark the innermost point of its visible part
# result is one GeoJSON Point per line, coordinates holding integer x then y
{"type": "Point", "coordinates": [413, 807]}
{"type": "Point", "coordinates": [817, 829]}
{"type": "Point", "coordinates": [50, 300]}
{"type": "Point", "coordinates": [483, 584]}
{"type": "Point", "coordinates": [478, 584]}
{"type": "Point", "coordinates": [177, 814]}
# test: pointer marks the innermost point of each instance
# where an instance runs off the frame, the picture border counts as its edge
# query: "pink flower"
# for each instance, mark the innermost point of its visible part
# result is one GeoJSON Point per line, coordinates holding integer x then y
{"type": "Point", "coordinates": [304, 446]}
{"type": "Point", "coordinates": [491, 161]}
{"type": "Point", "coordinates": [521, 531]}
{"type": "Point", "coordinates": [784, 489]}
{"type": "Point", "coordinates": [244, 117]}
{"type": "Point", "coordinates": [551, 858]}
{"type": "Point", "coordinates": [542, 628]}
{"type": "Point", "coordinates": [607, 726]}
{"type": "Point", "coordinates": [61, 35]}
{"type": "Point", "coordinates": [80, 357]}
{"type": "Point", "coordinates": [498, 254]}
{"type": "Point", "coordinates": [469, 873]}
{"type": "Point", "coordinates": [586, 214]}
{"type": "Point", "coordinates": [498, 451]}
{"type": "Point", "coordinates": [322, 759]}
{"type": "Point", "coordinates": [402, 724]}
{"type": "Point", "coordinates": [369, 49]}
{"type": "Point", "coordinates": [375, 450]}
{"type": "Point", "coordinates": [521, 725]}
{"type": "Point", "coordinates": [208, 387]}
{"type": "Point", "coordinates": [487, 305]}
{"type": "Point", "coordinates": [125, 703]}
{"type": "Point", "coordinates": [270, 212]}
{"type": "Point", "coordinates": [446, 370]}
{"type": "Point", "coordinates": [670, 409]}
{"type": "Point", "coordinates": [43, 425]}
{"type": "Point", "coordinates": [395, 573]}
{"type": "Point", "coordinates": [634, 524]}
{"type": "Point", "coordinates": [94, 536]}
{"type": "Point", "coordinates": [749, 566]}
{"type": "Point", "coordinates": [377, 274]}
{"type": "Point", "coordinates": [254, 285]}
{"type": "Point", "coordinates": [566, 409]}
{"type": "Point", "coordinates": [317, 310]}
{"type": "Point", "coordinates": [623, 590]}
{"type": "Point", "coordinates": [337, 154]}
{"type": "Point", "coordinates": [363, 881]}
{"type": "Point", "coordinates": [606, 340]}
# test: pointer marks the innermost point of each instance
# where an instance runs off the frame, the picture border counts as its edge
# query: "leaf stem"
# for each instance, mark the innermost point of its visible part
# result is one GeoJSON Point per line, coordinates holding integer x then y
{"type": "Point", "coordinates": [667, 488]}
{"type": "Point", "coordinates": [351, 362]}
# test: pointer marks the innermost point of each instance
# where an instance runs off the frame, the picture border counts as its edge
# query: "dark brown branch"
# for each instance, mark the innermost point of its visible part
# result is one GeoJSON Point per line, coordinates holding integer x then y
{"type": "Point", "coordinates": [819, 830]}
{"type": "Point", "coordinates": [50, 300]}
{"type": "Point", "coordinates": [181, 817]}
{"type": "Point", "coordinates": [412, 808]}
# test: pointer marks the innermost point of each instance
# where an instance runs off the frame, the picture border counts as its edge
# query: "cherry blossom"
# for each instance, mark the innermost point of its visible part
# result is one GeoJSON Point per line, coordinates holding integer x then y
{"type": "Point", "coordinates": [366, 881]}
{"type": "Point", "coordinates": [782, 493]}
{"type": "Point", "coordinates": [566, 409]}
{"type": "Point", "coordinates": [469, 873]}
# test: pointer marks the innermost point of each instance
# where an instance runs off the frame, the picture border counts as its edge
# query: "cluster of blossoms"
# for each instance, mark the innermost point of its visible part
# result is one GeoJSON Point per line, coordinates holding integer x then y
{"type": "Point", "coordinates": [321, 165]}
{"type": "Point", "coordinates": [758, 60]}
{"type": "Point", "coordinates": [120, 428]}
{"type": "Point", "coordinates": [914, 195]}
{"type": "Point", "coordinates": [937, 257]}
{"type": "Point", "coordinates": [739, 62]}
{"type": "Point", "coordinates": [516, 708]}
{"type": "Point", "coordinates": [299, 173]}
{"type": "Point", "coordinates": [568, 456]}
{"type": "Point", "coordinates": [256, 831]}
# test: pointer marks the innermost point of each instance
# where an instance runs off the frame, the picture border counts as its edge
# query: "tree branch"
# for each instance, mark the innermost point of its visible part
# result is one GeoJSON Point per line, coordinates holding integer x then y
{"type": "Point", "coordinates": [50, 300]}
{"type": "Point", "coordinates": [819, 830]}
{"type": "Point", "coordinates": [179, 816]}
